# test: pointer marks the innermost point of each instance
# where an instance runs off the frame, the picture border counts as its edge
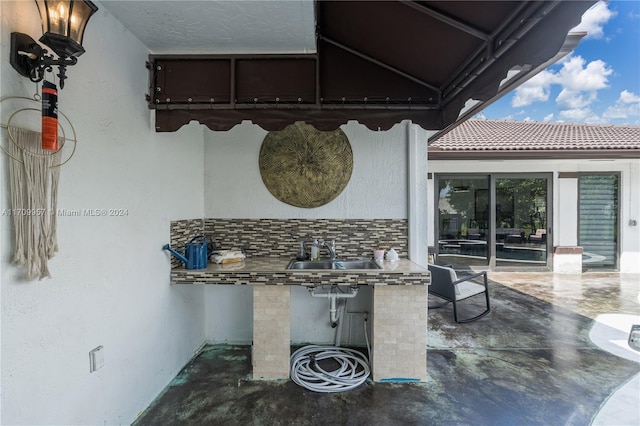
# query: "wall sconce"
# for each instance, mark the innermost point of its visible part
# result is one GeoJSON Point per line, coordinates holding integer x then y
{"type": "Point", "coordinates": [63, 23]}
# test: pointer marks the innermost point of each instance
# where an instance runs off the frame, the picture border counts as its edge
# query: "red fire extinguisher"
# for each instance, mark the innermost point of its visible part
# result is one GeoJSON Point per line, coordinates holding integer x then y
{"type": "Point", "coordinates": [49, 116]}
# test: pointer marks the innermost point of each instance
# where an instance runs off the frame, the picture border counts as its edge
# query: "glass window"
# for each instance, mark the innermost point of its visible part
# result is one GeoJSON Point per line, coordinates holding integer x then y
{"type": "Point", "coordinates": [521, 221]}
{"type": "Point", "coordinates": [463, 215]}
{"type": "Point", "coordinates": [493, 220]}
{"type": "Point", "coordinates": [598, 213]}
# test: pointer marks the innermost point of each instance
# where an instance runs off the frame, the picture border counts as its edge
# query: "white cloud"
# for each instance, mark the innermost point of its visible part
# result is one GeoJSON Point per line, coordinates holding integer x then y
{"type": "Point", "coordinates": [537, 89]}
{"type": "Point", "coordinates": [627, 97]}
{"type": "Point", "coordinates": [577, 114]}
{"type": "Point", "coordinates": [627, 106]}
{"type": "Point", "coordinates": [548, 117]}
{"type": "Point", "coordinates": [574, 75]}
{"type": "Point", "coordinates": [594, 19]}
{"type": "Point", "coordinates": [571, 99]}
{"type": "Point", "coordinates": [615, 112]}
{"type": "Point", "coordinates": [581, 115]}
{"type": "Point", "coordinates": [579, 83]}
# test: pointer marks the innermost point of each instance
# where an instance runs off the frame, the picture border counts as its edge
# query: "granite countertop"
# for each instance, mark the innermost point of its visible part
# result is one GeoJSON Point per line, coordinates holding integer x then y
{"type": "Point", "coordinates": [273, 271]}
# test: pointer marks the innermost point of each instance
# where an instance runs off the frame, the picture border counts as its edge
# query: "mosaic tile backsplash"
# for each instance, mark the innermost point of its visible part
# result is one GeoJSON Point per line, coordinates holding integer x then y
{"type": "Point", "coordinates": [280, 237]}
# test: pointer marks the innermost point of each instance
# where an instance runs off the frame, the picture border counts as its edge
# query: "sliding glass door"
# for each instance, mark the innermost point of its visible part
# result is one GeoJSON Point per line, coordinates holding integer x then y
{"type": "Point", "coordinates": [498, 221]}
{"type": "Point", "coordinates": [521, 221]}
{"type": "Point", "coordinates": [463, 220]}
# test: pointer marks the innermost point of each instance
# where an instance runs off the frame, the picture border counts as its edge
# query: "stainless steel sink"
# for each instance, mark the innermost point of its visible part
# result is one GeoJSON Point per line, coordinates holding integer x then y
{"type": "Point", "coordinates": [334, 264]}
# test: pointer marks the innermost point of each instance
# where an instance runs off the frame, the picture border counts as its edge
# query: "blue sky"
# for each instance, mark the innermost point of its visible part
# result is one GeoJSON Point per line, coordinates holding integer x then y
{"type": "Point", "coordinates": [598, 83]}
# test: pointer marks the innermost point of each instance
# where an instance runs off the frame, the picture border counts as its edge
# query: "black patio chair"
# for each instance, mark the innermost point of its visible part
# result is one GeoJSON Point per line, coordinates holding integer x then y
{"type": "Point", "coordinates": [446, 285]}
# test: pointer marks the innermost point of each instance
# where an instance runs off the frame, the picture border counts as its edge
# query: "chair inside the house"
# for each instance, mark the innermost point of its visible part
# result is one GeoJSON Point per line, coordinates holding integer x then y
{"type": "Point", "coordinates": [446, 285]}
{"type": "Point", "coordinates": [473, 234]}
{"type": "Point", "coordinates": [540, 236]}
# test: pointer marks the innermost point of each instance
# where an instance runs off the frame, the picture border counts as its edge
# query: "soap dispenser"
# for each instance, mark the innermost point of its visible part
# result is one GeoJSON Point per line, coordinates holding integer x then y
{"type": "Point", "coordinates": [315, 251]}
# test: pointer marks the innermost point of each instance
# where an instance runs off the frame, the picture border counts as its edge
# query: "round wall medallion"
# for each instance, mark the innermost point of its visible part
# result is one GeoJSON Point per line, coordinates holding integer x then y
{"type": "Point", "coordinates": [305, 167]}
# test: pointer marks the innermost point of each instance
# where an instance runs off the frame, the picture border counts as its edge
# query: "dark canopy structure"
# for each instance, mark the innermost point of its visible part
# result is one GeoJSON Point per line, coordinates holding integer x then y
{"type": "Point", "coordinates": [377, 62]}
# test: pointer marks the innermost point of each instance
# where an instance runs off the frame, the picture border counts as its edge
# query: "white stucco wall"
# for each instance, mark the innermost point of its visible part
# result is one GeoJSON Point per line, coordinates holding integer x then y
{"type": "Point", "coordinates": [378, 189]}
{"type": "Point", "coordinates": [110, 279]}
{"type": "Point", "coordinates": [565, 196]}
{"type": "Point", "coordinates": [565, 213]}
{"type": "Point", "coordinates": [630, 218]}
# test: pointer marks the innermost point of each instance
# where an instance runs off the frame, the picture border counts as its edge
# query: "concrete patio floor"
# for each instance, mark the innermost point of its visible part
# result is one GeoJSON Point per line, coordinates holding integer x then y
{"type": "Point", "coordinates": [529, 362]}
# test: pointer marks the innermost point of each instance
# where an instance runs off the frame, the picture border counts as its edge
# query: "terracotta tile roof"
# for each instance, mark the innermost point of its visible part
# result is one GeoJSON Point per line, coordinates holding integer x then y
{"type": "Point", "coordinates": [503, 135]}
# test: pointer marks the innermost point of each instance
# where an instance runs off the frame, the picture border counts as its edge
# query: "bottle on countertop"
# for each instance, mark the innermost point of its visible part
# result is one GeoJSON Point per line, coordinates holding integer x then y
{"type": "Point", "coordinates": [302, 254]}
{"type": "Point", "coordinates": [315, 251]}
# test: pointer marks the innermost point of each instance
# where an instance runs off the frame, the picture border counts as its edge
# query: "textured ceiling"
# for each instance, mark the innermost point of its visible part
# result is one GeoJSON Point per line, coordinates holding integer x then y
{"type": "Point", "coordinates": [212, 26]}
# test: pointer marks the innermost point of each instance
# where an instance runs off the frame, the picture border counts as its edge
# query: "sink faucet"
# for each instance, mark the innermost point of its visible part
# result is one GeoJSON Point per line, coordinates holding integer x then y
{"type": "Point", "coordinates": [331, 248]}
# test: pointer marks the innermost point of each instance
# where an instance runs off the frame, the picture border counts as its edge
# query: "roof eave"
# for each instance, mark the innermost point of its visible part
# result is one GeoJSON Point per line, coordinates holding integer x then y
{"type": "Point", "coordinates": [570, 43]}
{"type": "Point", "coordinates": [538, 154]}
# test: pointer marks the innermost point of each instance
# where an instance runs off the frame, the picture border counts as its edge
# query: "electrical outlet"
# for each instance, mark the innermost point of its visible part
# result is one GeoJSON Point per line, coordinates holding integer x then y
{"type": "Point", "coordinates": [96, 359]}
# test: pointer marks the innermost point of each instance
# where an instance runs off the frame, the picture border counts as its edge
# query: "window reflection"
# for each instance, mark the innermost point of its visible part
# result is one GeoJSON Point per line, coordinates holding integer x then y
{"type": "Point", "coordinates": [463, 210]}
{"type": "Point", "coordinates": [519, 226]}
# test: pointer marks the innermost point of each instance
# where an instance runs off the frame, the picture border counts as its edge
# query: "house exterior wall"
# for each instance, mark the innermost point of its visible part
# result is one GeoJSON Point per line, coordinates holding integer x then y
{"type": "Point", "coordinates": [565, 196]}
{"type": "Point", "coordinates": [376, 189]}
{"type": "Point", "coordinates": [565, 221]}
{"type": "Point", "coordinates": [110, 278]}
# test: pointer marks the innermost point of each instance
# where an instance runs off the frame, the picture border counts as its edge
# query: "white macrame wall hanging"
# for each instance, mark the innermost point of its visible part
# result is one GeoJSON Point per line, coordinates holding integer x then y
{"type": "Point", "coordinates": [34, 174]}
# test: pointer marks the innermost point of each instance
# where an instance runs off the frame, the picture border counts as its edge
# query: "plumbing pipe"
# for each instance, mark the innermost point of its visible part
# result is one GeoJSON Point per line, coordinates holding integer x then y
{"type": "Point", "coordinates": [341, 310]}
{"type": "Point", "coordinates": [333, 312]}
{"type": "Point", "coordinates": [333, 296]}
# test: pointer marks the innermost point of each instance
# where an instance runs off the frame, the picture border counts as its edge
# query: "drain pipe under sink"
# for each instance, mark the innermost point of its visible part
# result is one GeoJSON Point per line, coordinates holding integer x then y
{"type": "Point", "coordinates": [333, 296]}
{"type": "Point", "coordinates": [337, 338]}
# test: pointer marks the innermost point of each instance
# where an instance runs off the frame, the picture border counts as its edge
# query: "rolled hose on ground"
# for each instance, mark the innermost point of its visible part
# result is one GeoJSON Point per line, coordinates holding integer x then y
{"type": "Point", "coordinates": [353, 368]}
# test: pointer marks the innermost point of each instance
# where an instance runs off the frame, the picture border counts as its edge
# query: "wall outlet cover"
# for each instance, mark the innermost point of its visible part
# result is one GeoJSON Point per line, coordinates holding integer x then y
{"type": "Point", "coordinates": [96, 359]}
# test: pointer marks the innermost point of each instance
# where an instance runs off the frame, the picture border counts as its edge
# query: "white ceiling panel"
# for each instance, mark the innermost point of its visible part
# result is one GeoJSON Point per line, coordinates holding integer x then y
{"type": "Point", "coordinates": [218, 27]}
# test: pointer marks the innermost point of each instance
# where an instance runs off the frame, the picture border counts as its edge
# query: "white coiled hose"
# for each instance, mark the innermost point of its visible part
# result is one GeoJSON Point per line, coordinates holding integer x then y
{"type": "Point", "coordinates": [352, 371]}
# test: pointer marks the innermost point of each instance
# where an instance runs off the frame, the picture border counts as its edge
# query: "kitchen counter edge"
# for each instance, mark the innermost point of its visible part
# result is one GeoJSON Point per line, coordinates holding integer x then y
{"type": "Point", "coordinates": [273, 271]}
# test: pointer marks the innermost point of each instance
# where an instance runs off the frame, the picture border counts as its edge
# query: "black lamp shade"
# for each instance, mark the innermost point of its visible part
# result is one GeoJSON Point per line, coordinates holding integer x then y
{"type": "Point", "coordinates": [63, 23]}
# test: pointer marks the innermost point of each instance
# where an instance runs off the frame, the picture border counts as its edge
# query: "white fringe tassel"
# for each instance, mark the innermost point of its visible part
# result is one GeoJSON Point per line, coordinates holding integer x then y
{"type": "Point", "coordinates": [34, 199]}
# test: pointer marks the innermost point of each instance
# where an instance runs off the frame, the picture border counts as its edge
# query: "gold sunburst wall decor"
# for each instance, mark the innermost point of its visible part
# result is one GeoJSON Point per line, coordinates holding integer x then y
{"type": "Point", "coordinates": [305, 167]}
